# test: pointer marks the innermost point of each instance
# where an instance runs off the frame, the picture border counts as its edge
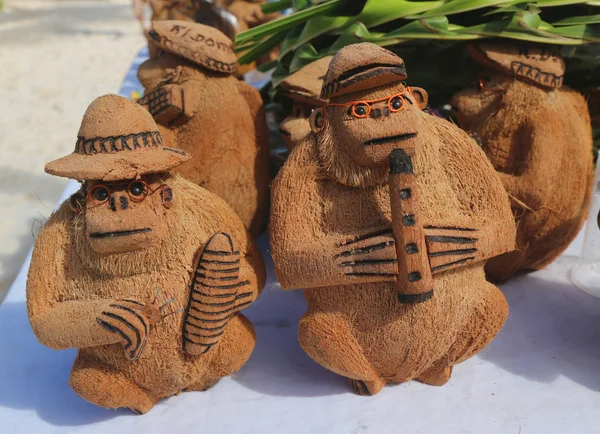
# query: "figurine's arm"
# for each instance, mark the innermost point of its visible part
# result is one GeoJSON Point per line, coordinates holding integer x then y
{"type": "Point", "coordinates": [229, 275]}
{"type": "Point", "coordinates": [58, 320]}
{"type": "Point", "coordinates": [531, 139]}
{"type": "Point", "coordinates": [483, 226]}
{"type": "Point", "coordinates": [257, 111]}
{"type": "Point", "coordinates": [305, 252]}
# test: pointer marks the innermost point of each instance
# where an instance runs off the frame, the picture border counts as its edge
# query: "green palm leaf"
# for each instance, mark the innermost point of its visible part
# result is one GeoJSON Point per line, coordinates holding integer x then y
{"type": "Point", "coordinates": [426, 33]}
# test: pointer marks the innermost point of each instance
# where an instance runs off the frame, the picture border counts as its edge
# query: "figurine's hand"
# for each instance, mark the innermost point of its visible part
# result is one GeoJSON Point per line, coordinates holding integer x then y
{"type": "Point", "coordinates": [165, 103]}
{"type": "Point", "coordinates": [152, 313]}
{"type": "Point", "coordinates": [372, 256]}
{"type": "Point", "coordinates": [125, 319]}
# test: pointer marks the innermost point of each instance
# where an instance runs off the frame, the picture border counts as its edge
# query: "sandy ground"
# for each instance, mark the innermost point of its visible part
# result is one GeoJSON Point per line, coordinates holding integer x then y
{"type": "Point", "coordinates": [55, 58]}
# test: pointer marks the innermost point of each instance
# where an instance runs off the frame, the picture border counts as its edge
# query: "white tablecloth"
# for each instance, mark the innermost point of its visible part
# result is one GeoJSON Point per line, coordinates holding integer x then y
{"type": "Point", "coordinates": [540, 375]}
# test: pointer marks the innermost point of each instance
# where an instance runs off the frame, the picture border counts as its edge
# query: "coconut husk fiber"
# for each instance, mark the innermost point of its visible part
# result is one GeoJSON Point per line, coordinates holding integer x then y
{"type": "Point", "coordinates": [201, 108]}
{"type": "Point", "coordinates": [395, 284]}
{"type": "Point", "coordinates": [303, 89]}
{"type": "Point", "coordinates": [149, 291]}
{"type": "Point", "coordinates": [538, 137]}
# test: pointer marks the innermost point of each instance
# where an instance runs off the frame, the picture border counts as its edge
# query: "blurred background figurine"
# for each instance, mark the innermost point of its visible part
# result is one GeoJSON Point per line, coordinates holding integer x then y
{"type": "Point", "coordinates": [230, 17]}
{"type": "Point", "coordinates": [142, 271]}
{"type": "Point", "coordinates": [302, 89]}
{"type": "Point", "coordinates": [201, 108]}
{"type": "Point", "coordinates": [538, 136]}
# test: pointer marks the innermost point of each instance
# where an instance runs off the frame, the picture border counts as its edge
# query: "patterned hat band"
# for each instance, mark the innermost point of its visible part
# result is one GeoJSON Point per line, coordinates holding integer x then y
{"type": "Point", "coordinates": [536, 74]}
{"type": "Point", "coordinates": [114, 144]}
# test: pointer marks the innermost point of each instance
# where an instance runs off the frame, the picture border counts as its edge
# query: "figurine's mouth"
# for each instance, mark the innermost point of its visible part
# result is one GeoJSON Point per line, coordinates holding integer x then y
{"type": "Point", "coordinates": [284, 132]}
{"type": "Point", "coordinates": [119, 233]}
{"type": "Point", "coordinates": [391, 139]}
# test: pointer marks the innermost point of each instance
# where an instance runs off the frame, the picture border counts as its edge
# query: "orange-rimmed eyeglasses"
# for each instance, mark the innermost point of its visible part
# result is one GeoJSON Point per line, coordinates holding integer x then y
{"type": "Point", "coordinates": [136, 190]}
{"type": "Point", "coordinates": [362, 109]}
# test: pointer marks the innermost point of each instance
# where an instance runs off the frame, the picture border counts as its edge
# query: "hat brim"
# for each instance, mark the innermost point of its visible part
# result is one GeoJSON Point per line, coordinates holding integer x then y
{"type": "Point", "coordinates": [305, 98]}
{"type": "Point", "coordinates": [369, 78]}
{"type": "Point", "coordinates": [116, 166]}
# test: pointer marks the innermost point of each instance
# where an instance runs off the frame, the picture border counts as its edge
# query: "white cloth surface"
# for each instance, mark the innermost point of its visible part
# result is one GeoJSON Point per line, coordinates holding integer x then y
{"type": "Point", "coordinates": [540, 375]}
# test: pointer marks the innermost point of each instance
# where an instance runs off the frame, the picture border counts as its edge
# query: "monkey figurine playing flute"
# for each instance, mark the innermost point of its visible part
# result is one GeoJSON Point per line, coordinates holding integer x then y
{"type": "Point", "coordinates": [133, 227]}
{"type": "Point", "coordinates": [385, 216]}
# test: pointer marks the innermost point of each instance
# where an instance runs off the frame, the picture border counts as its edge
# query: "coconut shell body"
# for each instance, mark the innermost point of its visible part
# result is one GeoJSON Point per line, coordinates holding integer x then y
{"type": "Point", "coordinates": [322, 216]}
{"type": "Point", "coordinates": [70, 285]}
{"type": "Point", "coordinates": [539, 140]}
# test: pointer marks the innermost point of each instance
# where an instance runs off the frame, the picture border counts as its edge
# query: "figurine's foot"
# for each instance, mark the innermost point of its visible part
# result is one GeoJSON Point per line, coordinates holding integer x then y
{"type": "Point", "coordinates": [366, 388]}
{"type": "Point", "coordinates": [327, 338]}
{"type": "Point", "coordinates": [104, 386]}
{"type": "Point", "coordinates": [436, 375]}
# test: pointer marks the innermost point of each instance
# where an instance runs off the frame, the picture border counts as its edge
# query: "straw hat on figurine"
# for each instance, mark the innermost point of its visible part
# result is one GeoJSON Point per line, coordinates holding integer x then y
{"type": "Point", "coordinates": [117, 139]}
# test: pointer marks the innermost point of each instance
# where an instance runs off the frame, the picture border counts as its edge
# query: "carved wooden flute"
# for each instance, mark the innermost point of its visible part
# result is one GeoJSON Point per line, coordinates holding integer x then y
{"type": "Point", "coordinates": [414, 284]}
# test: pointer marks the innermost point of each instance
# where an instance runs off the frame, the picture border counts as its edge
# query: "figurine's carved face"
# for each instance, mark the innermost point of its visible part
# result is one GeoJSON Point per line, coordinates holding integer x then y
{"type": "Point", "coordinates": [296, 126]}
{"type": "Point", "coordinates": [124, 216]}
{"type": "Point", "coordinates": [370, 124]}
{"type": "Point", "coordinates": [476, 103]}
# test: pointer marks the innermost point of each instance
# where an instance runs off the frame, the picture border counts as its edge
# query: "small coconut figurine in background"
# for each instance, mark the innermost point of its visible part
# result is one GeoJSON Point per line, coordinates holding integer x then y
{"type": "Point", "coordinates": [230, 17]}
{"type": "Point", "coordinates": [538, 136]}
{"type": "Point", "coordinates": [201, 108]}
{"type": "Point", "coordinates": [141, 270]}
{"type": "Point", "coordinates": [303, 89]}
{"type": "Point", "coordinates": [385, 215]}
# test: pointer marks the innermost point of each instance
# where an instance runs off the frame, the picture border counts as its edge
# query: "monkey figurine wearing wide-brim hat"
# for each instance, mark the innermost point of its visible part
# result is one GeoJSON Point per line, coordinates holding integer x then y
{"type": "Point", "coordinates": [385, 216]}
{"type": "Point", "coordinates": [303, 89]}
{"type": "Point", "coordinates": [142, 271]}
{"type": "Point", "coordinates": [538, 136]}
{"type": "Point", "coordinates": [201, 108]}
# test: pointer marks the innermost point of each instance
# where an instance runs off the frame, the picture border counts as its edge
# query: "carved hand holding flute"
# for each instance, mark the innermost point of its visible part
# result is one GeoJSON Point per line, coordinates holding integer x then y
{"type": "Point", "coordinates": [538, 136]}
{"type": "Point", "coordinates": [385, 216]}
{"type": "Point", "coordinates": [142, 271]}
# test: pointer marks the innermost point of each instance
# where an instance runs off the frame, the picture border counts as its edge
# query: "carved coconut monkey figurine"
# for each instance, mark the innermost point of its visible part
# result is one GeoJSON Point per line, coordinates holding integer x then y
{"type": "Point", "coordinates": [201, 108]}
{"type": "Point", "coordinates": [537, 135]}
{"type": "Point", "coordinates": [303, 89]}
{"type": "Point", "coordinates": [141, 270]}
{"type": "Point", "coordinates": [385, 215]}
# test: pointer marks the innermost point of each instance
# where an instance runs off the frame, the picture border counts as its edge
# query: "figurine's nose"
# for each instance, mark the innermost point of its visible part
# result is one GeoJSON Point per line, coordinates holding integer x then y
{"type": "Point", "coordinates": [375, 113]}
{"type": "Point", "coordinates": [123, 202]}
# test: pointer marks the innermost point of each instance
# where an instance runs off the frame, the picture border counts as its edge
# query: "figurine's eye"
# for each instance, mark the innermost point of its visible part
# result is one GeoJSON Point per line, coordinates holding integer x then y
{"type": "Point", "coordinates": [481, 83]}
{"type": "Point", "coordinates": [360, 110]}
{"type": "Point", "coordinates": [308, 112]}
{"type": "Point", "coordinates": [100, 194]}
{"type": "Point", "coordinates": [137, 188]}
{"type": "Point", "coordinates": [396, 103]}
